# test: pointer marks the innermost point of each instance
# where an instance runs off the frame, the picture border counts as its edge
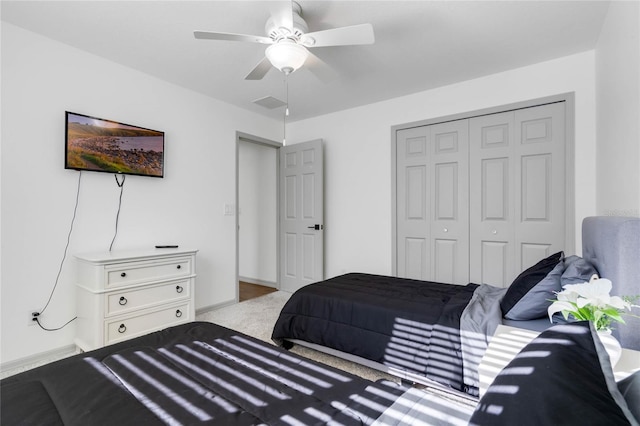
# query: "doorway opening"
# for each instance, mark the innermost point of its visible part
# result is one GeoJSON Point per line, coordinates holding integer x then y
{"type": "Point", "coordinates": [257, 212]}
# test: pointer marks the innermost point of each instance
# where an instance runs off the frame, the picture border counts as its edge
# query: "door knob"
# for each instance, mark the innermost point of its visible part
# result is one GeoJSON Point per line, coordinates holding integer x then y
{"type": "Point", "coordinates": [316, 227]}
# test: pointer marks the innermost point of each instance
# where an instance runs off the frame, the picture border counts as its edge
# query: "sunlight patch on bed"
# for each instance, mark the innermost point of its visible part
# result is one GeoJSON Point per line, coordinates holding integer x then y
{"type": "Point", "coordinates": [257, 384]}
{"type": "Point", "coordinates": [186, 405]}
{"type": "Point", "coordinates": [429, 350]}
{"type": "Point", "coordinates": [295, 360]}
{"type": "Point", "coordinates": [264, 372]}
{"type": "Point", "coordinates": [533, 354]}
{"type": "Point", "coordinates": [104, 371]}
{"type": "Point", "coordinates": [213, 378]}
{"type": "Point", "coordinates": [416, 407]}
{"type": "Point", "coordinates": [506, 389]}
{"type": "Point", "coordinates": [193, 385]}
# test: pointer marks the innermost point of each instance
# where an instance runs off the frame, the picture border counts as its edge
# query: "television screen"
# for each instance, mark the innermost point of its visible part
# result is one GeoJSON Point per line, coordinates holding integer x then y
{"type": "Point", "coordinates": [107, 146]}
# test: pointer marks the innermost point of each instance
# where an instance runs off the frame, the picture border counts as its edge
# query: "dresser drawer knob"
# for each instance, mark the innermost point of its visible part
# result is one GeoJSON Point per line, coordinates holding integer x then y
{"type": "Point", "coordinates": [178, 313]}
{"type": "Point", "coordinates": [179, 266]}
{"type": "Point", "coordinates": [124, 274]}
{"type": "Point", "coordinates": [179, 289]}
{"type": "Point", "coordinates": [122, 301]}
{"type": "Point", "coordinates": [122, 328]}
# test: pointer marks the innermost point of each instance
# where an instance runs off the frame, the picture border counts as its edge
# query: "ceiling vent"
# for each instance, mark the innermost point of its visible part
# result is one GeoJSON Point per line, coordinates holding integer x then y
{"type": "Point", "coordinates": [269, 102]}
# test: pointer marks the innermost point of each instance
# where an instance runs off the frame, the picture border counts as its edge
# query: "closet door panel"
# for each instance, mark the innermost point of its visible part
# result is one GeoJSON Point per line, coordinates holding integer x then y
{"type": "Point", "coordinates": [481, 199]}
{"type": "Point", "coordinates": [491, 199]}
{"type": "Point", "coordinates": [413, 204]}
{"type": "Point", "coordinates": [540, 208]}
{"type": "Point", "coordinates": [494, 255]}
{"type": "Point", "coordinates": [533, 253]}
{"type": "Point", "coordinates": [415, 255]}
{"type": "Point", "coordinates": [449, 199]}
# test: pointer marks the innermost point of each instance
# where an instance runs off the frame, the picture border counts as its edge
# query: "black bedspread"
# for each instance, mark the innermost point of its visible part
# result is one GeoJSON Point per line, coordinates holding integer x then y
{"type": "Point", "coordinates": [406, 324]}
{"type": "Point", "coordinates": [190, 374]}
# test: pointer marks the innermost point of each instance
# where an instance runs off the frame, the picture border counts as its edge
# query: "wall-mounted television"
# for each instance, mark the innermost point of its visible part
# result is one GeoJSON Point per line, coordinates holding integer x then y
{"type": "Point", "coordinates": [101, 145]}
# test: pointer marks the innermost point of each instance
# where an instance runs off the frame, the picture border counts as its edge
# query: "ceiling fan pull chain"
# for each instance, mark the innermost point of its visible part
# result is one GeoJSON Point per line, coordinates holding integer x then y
{"type": "Point", "coordinates": [286, 110]}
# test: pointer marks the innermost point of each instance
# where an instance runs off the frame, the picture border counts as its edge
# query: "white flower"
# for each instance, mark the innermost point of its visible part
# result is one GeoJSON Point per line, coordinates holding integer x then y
{"type": "Point", "coordinates": [590, 301]}
{"type": "Point", "coordinates": [595, 292]}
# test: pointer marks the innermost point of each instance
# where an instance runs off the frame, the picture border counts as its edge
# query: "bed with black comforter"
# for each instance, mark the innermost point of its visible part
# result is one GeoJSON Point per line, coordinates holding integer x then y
{"type": "Point", "coordinates": [408, 325]}
{"type": "Point", "coordinates": [433, 332]}
{"type": "Point", "coordinates": [201, 373]}
{"type": "Point", "coordinates": [197, 373]}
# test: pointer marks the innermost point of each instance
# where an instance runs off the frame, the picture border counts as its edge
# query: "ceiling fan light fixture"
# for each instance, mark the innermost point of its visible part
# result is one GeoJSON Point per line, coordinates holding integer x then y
{"type": "Point", "coordinates": [287, 56]}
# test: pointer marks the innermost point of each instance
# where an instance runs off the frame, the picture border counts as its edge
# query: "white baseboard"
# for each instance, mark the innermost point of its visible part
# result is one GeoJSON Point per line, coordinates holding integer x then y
{"type": "Point", "coordinates": [38, 359]}
{"type": "Point", "coordinates": [206, 309]}
{"type": "Point", "coordinates": [258, 281]}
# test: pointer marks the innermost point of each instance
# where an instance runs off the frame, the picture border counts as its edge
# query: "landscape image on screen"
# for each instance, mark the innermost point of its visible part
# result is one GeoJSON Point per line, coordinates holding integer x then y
{"type": "Point", "coordinates": [108, 146]}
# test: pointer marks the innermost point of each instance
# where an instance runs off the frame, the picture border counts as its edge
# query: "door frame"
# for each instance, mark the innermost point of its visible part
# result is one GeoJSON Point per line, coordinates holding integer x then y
{"type": "Point", "coordinates": [248, 138]}
{"type": "Point", "coordinates": [570, 219]}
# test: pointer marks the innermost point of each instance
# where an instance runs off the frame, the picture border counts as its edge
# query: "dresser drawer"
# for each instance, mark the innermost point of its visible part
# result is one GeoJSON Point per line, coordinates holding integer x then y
{"type": "Point", "coordinates": [122, 329]}
{"type": "Point", "coordinates": [138, 272]}
{"type": "Point", "coordinates": [125, 300]}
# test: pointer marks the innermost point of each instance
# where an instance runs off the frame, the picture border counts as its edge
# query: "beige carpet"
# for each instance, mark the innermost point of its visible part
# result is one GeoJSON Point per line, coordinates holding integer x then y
{"type": "Point", "coordinates": [256, 318]}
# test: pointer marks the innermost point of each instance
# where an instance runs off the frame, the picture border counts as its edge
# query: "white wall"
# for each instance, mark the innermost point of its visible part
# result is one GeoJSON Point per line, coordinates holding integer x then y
{"type": "Point", "coordinates": [618, 100]}
{"type": "Point", "coordinates": [258, 213]}
{"type": "Point", "coordinates": [358, 152]}
{"type": "Point", "coordinates": [40, 80]}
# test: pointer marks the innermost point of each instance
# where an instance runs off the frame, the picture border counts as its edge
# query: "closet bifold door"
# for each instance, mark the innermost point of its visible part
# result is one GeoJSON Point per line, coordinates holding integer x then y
{"type": "Point", "coordinates": [492, 194]}
{"type": "Point", "coordinates": [432, 202]}
{"type": "Point", "coordinates": [412, 203]}
{"type": "Point", "coordinates": [540, 183]}
{"type": "Point", "coordinates": [517, 212]}
{"type": "Point", "coordinates": [449, 173]}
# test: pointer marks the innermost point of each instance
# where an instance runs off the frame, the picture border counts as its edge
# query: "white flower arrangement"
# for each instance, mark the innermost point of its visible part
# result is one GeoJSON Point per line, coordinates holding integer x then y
{"type": "Point", "coordinates": [591, 302]}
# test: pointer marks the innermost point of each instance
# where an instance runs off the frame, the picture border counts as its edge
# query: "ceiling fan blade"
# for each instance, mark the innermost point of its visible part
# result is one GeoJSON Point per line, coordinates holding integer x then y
{"type": "Point", "coordinates": [320, 69]}
{"type": "Point", "coordinates": [209, 35]}
{"type": "Point", "coordinates": [343, 36]}
{"type": "Point", "coordinates": [260, 70]}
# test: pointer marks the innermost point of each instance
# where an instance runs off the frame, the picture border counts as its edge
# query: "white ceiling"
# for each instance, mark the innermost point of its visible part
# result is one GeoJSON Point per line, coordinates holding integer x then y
{"type": "Point", "coordinates": [419, 44]}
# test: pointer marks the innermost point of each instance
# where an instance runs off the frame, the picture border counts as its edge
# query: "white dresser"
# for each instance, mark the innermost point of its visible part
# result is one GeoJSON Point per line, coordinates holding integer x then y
{"type": "Point", "coordinates": [121, 295]}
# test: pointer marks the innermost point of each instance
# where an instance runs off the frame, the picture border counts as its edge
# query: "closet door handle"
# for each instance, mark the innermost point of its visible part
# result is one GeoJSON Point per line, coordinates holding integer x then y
{"type": "Point", "coordinates": [122, 301]}
{"type": "Point", "coordinates": [122, 328]}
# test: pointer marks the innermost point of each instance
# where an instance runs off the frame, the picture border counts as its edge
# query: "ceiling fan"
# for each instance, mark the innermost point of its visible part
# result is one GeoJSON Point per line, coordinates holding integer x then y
{"type": "Point", "coordinates": [289, 41]}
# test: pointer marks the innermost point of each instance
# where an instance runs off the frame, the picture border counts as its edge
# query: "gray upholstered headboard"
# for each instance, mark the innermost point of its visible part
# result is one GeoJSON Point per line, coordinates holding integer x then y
{"type": "Point", "coordinates": [612, 245]}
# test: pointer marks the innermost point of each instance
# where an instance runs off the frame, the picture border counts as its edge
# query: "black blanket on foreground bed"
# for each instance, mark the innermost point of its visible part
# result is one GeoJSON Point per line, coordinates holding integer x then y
{"type": "Point", "coordinates": [193, 373]}
{"type": "Point", "coordinates": [406, 324]}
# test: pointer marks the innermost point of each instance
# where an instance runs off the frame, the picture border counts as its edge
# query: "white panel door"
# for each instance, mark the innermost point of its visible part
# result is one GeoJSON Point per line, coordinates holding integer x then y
{"type": "Point", "coordinates": [432, 203]}
{"type": "Point", "coordinates": [540, 183]}
{"type": "Point", "coordinates": [517, 213]}
{"type": "Point", "coordinates": [491, 213]}
{"type": "Point", "coordinates": [301, 215]}
{"type": "Point", "coordinates": [413, 203]}
{"type": "Point", "coordinates": [449, 200]}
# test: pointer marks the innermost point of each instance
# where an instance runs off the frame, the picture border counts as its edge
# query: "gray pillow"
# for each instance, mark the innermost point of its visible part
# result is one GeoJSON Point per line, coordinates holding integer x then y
{"type": "Point", "coordinates": [534, 303]}
{"type": "Point", "coordinates": [577, 270]}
